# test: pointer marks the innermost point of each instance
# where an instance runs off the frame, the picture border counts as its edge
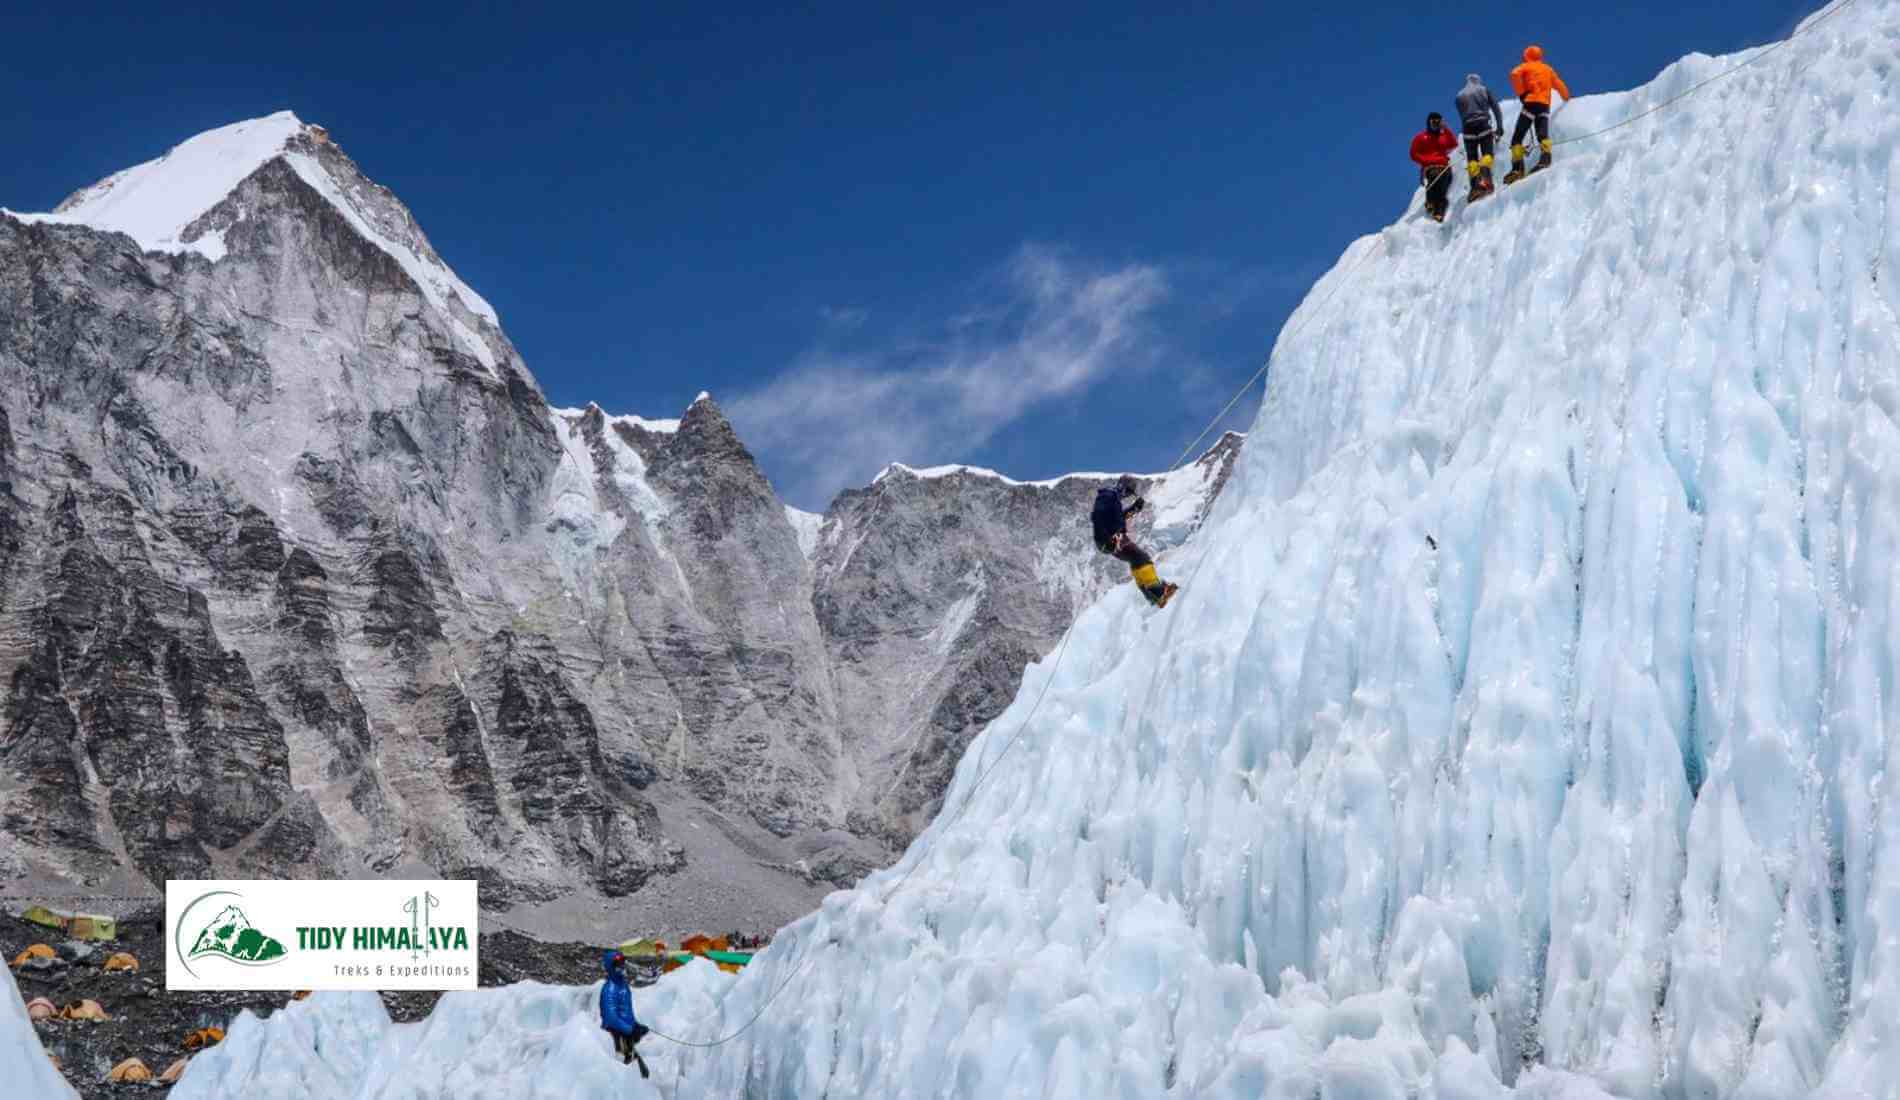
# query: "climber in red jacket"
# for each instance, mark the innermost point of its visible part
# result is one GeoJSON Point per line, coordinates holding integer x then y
{"type": "Point", "coordinates": [1431, 151]}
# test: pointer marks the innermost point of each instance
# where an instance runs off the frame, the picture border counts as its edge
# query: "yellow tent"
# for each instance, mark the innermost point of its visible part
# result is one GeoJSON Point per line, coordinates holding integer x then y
{"type": "Point", "coordinates": [80, 926]}
{"type": "Point", "coordinates": [641, 945]}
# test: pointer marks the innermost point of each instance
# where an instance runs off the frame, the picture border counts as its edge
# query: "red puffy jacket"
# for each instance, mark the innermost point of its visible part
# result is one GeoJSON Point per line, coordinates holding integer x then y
{"type": "Point", "coordinates": [1431, 150]}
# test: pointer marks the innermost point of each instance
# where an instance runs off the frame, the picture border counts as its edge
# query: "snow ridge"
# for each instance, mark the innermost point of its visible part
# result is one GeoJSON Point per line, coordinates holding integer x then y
{"type": "Point", "coordinates": [956, 469]}
{"type": "Point", "coordinates": [154, 203]}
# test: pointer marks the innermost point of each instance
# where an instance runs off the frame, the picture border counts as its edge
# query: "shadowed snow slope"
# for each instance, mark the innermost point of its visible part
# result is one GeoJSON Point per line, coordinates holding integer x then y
{"type": "Point", "coordinates": [1522, 724]}
{"type": "Point", "coordinates": [523, 1040]}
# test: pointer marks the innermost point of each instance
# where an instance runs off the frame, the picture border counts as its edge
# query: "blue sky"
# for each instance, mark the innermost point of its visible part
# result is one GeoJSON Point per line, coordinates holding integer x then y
{"type": "Point", "coordinates": [1034, 237]}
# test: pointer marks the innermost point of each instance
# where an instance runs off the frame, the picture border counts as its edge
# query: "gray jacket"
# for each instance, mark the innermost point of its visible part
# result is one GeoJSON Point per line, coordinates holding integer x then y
{"type": "Point", "coordinates": [1478, 108]}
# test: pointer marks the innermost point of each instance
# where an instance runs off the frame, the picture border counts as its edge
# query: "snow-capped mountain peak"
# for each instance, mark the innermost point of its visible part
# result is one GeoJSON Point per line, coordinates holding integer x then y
{"type": "Point", "coordinates": [158, 203]}
{"type": "Point", "coordinates": [185, 202]}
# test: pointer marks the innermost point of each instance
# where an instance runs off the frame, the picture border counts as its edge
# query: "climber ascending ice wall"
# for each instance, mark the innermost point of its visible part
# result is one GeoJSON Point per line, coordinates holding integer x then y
{"type": "Point", "coordinates": [1524, 723]}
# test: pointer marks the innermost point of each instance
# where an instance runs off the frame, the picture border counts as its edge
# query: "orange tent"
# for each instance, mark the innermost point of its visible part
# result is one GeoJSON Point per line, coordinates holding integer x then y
{"type": "Point", "coordinates": [84, 1010]}
{"type": "Point", "coordinates": [122, 960]}
{"type": "Point", "coordinates": [37, 951]}
{"type": "Point", "coordinates": [204, 1037]}
{"type": "Point", "coordinates": [131, 1070]}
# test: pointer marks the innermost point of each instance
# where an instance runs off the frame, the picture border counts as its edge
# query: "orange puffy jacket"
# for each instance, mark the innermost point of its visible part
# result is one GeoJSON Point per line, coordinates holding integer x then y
{"type": "Point", "coordinates": [1533, 80]}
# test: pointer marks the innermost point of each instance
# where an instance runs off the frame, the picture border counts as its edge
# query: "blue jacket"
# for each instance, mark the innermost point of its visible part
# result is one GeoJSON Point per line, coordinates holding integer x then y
{"type": "Point", "coordinates": [616, 998]}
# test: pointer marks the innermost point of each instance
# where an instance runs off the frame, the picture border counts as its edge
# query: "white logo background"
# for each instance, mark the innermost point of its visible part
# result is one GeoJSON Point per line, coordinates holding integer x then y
{"type": "Point", "coordinates": [425, 914]}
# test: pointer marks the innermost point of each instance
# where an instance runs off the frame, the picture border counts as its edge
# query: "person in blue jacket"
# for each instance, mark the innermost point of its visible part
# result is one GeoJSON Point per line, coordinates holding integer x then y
{"type": "Point", "coordinates": [616, 1010]}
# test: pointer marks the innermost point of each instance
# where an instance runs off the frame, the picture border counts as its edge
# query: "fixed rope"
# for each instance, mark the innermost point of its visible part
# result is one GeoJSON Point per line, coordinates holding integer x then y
{"type": "Point", "coordinates": [1826, 14]}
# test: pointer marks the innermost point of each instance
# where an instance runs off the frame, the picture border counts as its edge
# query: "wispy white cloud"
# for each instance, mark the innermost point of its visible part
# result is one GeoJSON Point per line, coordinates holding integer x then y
{"type": "Point", "coordinates": [1047, 326]}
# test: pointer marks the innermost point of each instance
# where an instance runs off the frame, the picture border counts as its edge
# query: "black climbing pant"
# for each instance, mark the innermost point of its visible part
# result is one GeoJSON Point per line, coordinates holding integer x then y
{"type": "Point", "coordinates": [1533, 114]}
{"type": "Point", "coordinates": [1437, 181]}
{"type": "Point", "coordinates": [1480, 145]}
{"type": "Point", "coordinates": [1124, 549]}
{"type": "Point", "coordinates": [624, 1045]}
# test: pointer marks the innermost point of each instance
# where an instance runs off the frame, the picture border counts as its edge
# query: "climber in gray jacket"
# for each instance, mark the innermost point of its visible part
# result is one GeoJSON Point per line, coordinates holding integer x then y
{"type": "Point", "coordinates": [1482, 121]}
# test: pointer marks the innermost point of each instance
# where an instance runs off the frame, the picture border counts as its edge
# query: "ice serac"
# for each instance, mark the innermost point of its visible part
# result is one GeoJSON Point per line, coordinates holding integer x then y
{"type": "Point", "coordinates": [1523, 724]}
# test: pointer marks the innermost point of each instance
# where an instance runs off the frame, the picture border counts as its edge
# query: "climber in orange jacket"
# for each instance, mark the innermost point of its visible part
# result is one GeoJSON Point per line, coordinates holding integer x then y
{"type": "Point", "coordinates": [1533, 82]}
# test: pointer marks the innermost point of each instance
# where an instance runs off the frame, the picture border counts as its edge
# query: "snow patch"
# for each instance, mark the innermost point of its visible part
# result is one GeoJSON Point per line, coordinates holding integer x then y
{"type": "Point", "coordinates": [659, 427]}
{"type": "Point", "coordinates": [576, 513]}
{"type": "Point", "coordinates": [958, 615]}
{"type": "Point", "coordinates": [1177, 497]}
{"type": "Point", "coordinates": [807, 526]}
{"type": "Point", "coordinates": [437, 283]}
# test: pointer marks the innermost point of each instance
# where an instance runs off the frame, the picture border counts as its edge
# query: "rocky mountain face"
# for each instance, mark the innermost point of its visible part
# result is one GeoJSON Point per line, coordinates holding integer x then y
{"type": "Point", "coordinates": [300, 574]}
{"type": "Point", "coordinates": [933, 590]}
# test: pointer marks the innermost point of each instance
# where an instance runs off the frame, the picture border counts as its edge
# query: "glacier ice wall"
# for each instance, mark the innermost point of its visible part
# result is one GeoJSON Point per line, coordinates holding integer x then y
{"type": "Point", "coordinates": [1524, 723]}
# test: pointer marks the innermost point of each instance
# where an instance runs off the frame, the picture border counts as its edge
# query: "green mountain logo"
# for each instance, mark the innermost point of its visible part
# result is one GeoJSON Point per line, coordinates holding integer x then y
{"type": "Point", "coordinates": [230, 934]}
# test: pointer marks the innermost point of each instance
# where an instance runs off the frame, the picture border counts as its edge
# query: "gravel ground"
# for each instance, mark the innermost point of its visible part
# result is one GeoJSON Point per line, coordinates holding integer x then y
{"type": "Point", "coordinates": [713, 893]}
